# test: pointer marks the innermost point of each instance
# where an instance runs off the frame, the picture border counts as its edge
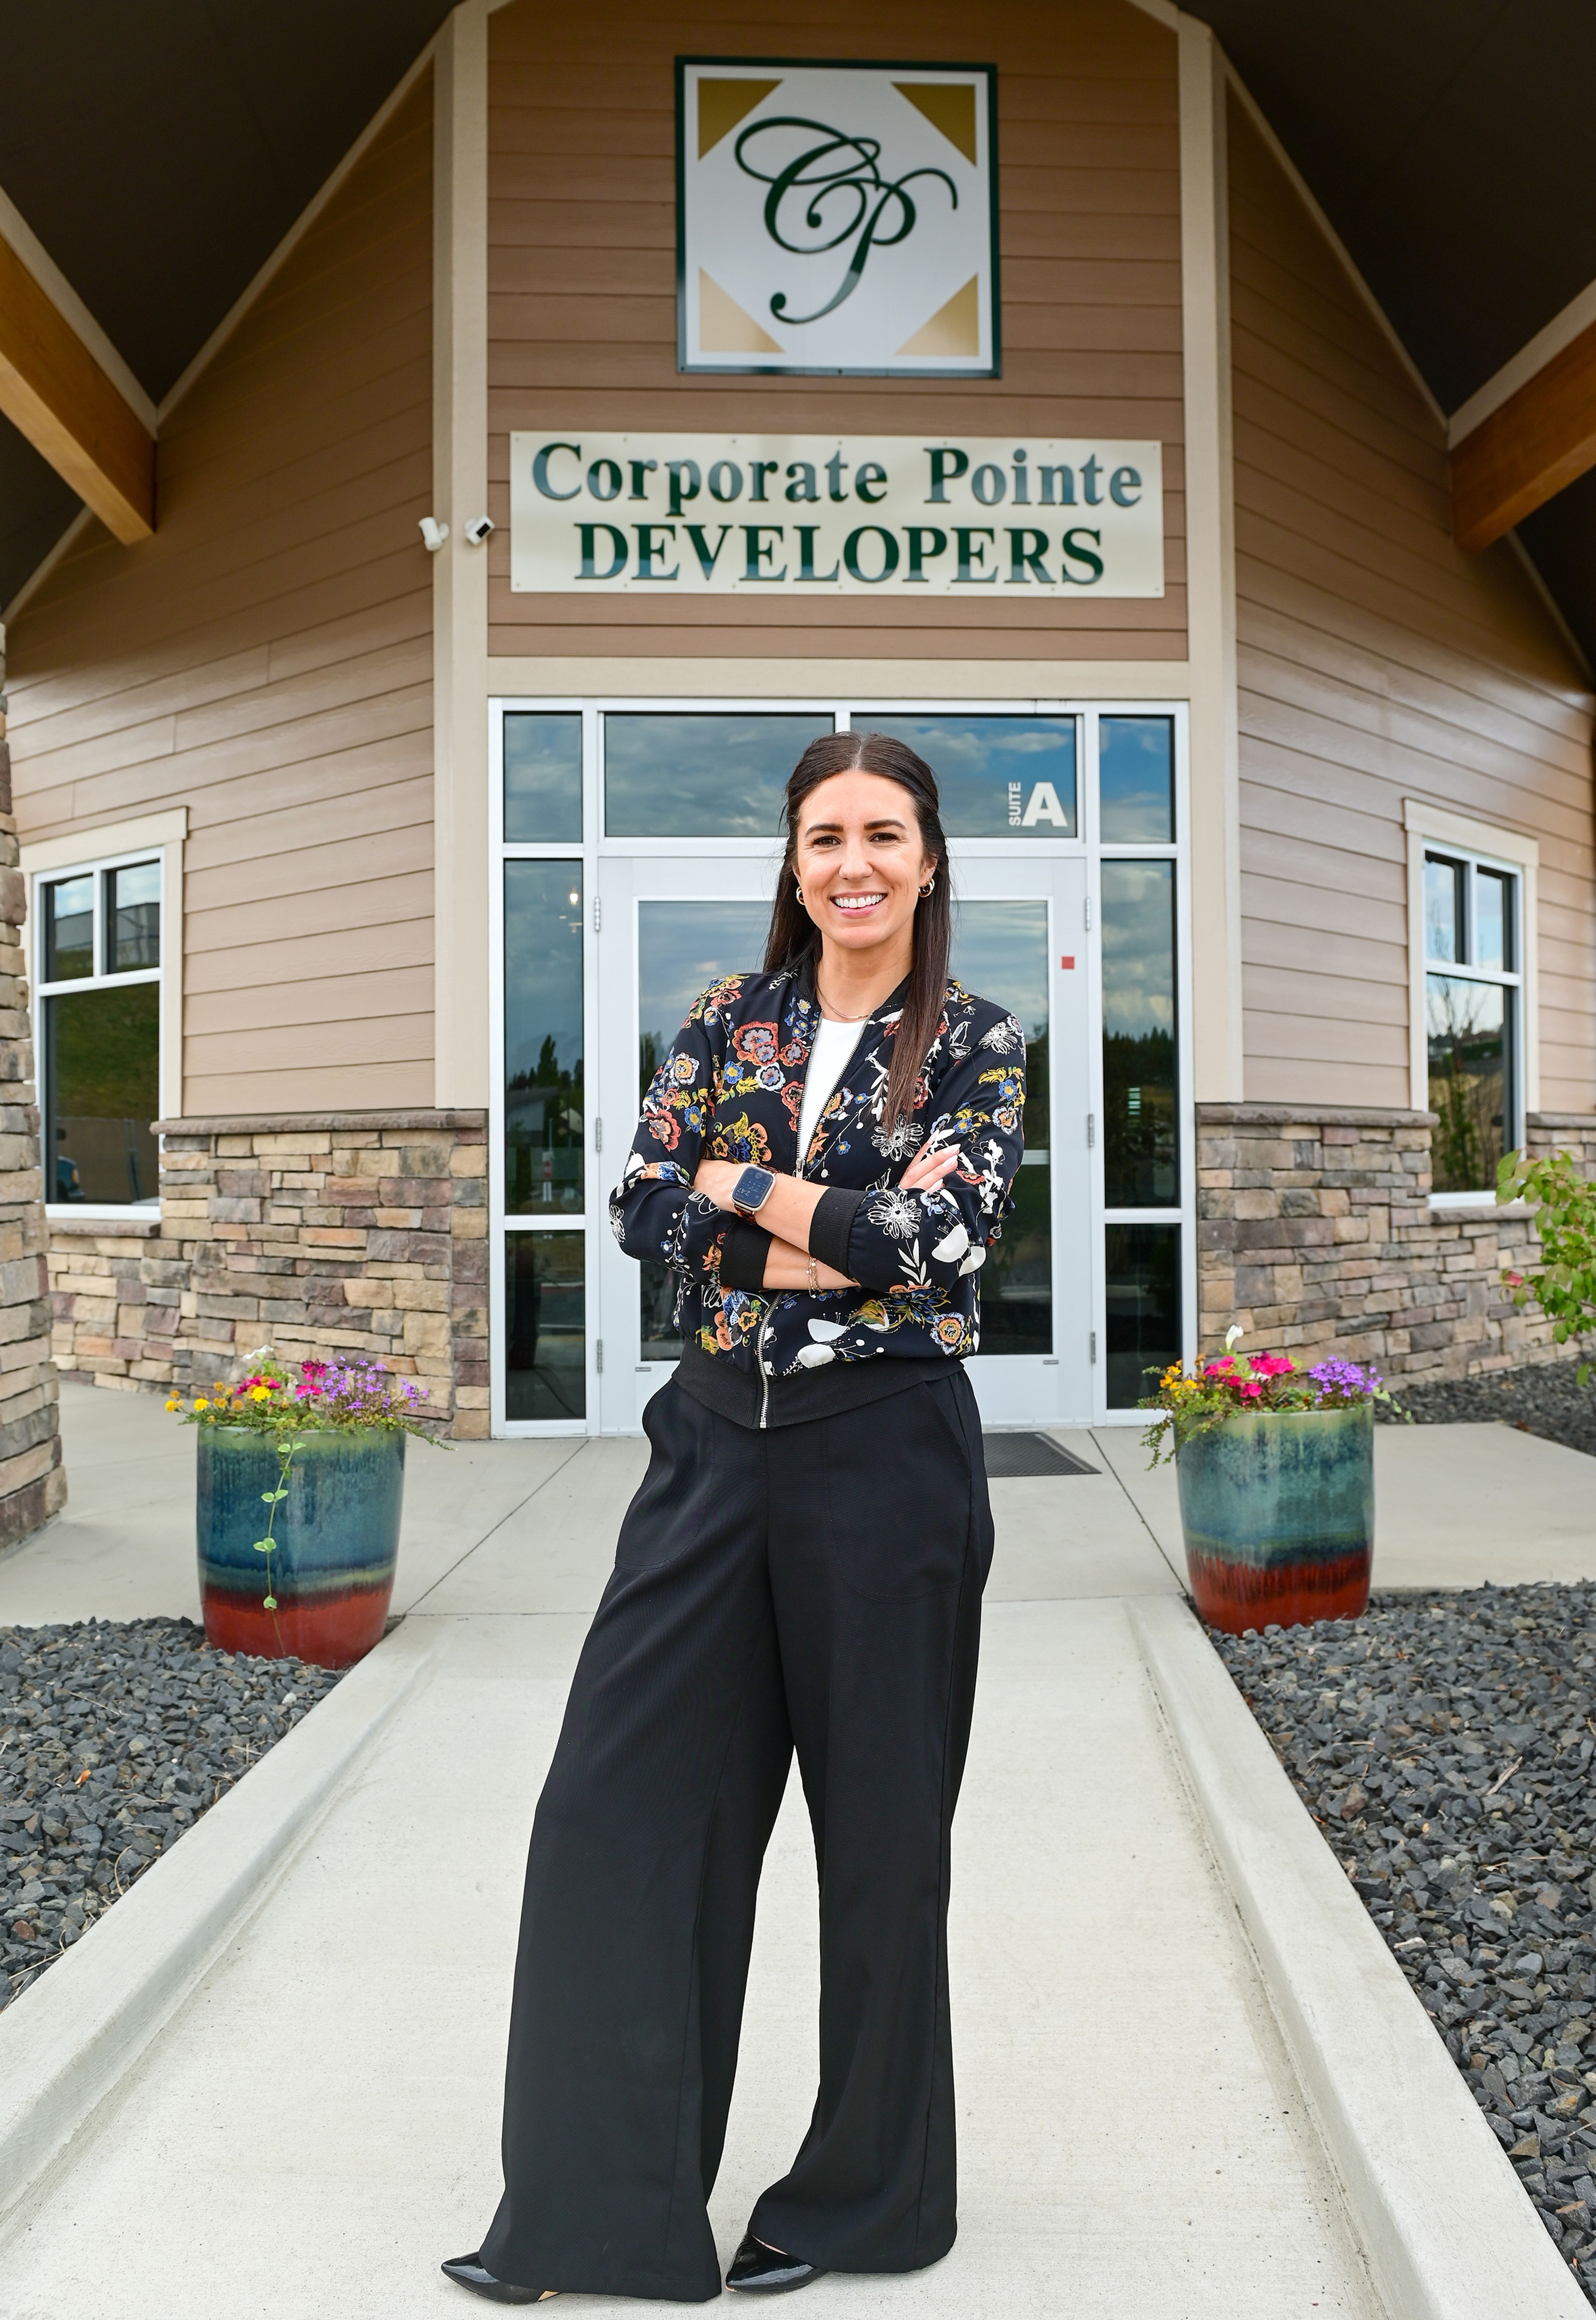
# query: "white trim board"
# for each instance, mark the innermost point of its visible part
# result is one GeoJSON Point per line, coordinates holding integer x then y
{"type": "Point", "coordinates": [461, 683]}
{"type": "Point", "coordinates": [683, 678]}
{"type": "Point", "coordinates": [296, 232]}
{"type": "Point", "coordinates": [1216, 1009]}
{"type": "Point", "coordinates": [149, 829]}
{"type": "Point", "coordinates": [1259, 120]}
{"type": "Point", "coordinates": [1533, 355]}
{"type": "Point", "coordinates": [15, 230]}
{"type": "Point", "coordinates": [47, 563]}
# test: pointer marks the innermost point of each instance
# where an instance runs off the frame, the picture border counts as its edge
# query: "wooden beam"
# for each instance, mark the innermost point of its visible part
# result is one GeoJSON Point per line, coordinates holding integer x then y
{"type": "Point", "coordinates": [54, 392]}
{"type": "Point", "coordinates": [1529, 448]}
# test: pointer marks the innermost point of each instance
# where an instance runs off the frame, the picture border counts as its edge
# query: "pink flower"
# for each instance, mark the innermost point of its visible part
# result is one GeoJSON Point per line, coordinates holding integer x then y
{"type": "Point", "coordinates": [1251, 1391]}
{"type": "Point", "coordinates": [1268, 1366]}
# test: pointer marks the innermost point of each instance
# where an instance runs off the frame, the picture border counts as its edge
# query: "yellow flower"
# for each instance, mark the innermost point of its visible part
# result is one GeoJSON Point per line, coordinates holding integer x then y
{"type": "Point", "coordinates": [201, 1403]}
{"type": "Point", "coordinates": [259, 1393]}
{"type": "Point", "coordinates": [173, 1403]}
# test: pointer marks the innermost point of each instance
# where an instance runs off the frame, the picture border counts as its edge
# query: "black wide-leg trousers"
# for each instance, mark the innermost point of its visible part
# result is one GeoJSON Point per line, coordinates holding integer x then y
{"type": "Point", "coordinates": [815, 1586]}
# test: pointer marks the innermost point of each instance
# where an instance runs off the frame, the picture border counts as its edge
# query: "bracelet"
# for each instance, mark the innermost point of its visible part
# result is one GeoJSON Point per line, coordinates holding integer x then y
{"type": "Point", "coordinates": [814, 1279]}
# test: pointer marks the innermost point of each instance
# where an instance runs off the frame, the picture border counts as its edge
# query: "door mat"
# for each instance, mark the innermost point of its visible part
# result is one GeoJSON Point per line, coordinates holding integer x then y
{"type": "Point", "coordinates": [1012, 1455]}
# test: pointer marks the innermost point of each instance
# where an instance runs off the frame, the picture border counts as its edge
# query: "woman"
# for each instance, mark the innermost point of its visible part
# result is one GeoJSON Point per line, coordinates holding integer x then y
{"type": "Point", "coordinates": [823, 1160]}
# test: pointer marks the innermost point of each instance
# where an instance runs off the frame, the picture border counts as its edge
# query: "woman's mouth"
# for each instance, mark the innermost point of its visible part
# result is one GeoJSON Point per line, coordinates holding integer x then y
{"type": "Point", "coordinates": [857, 905]}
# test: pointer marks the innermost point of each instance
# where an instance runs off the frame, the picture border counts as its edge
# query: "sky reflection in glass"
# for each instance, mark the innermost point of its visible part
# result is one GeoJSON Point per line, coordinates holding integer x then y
{"type": "Point", "coordinates": [1136, 780]}
{"type": "Point", "coordinates": [997, 776]}
{"type": "Point", "coordinates": [672, 776]}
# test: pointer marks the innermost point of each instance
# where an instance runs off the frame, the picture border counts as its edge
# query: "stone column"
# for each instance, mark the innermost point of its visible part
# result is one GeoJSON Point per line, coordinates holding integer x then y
{"type": "Point", "coordinates": [1317, 1234]}
{"type": "Point", "coordinates": [32, 1479]}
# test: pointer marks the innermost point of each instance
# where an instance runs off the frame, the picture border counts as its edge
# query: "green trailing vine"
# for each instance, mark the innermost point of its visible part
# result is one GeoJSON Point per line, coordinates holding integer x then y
{"type": "Point", "coordinates": [1564, 1285]}
{"type": "Point", "coordinates": [287, 1447]}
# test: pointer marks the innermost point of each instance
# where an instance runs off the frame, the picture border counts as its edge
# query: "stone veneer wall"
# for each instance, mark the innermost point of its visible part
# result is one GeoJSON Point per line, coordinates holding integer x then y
{"type": "Point", "coordinates": [1315, 1231]}
{"type": "Point", "coordinates": [32, 1480]}
{"type": "Point", "coordinates": [327, 1233]}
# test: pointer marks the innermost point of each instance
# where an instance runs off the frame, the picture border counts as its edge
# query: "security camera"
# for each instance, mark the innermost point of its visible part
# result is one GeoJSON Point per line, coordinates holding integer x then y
{"type": "Point", "coordinates": [478, 528]}
{"type": "Point", "coordinates": [434, 534]}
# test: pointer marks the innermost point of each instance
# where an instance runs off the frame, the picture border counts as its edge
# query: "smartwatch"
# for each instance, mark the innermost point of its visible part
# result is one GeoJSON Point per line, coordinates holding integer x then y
{"type": "Point", "coordinates": [752, 1189]}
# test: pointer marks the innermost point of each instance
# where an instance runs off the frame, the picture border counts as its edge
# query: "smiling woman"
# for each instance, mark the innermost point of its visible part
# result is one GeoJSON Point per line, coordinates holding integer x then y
{"type": "Point", "coordinates": [824, 1163]}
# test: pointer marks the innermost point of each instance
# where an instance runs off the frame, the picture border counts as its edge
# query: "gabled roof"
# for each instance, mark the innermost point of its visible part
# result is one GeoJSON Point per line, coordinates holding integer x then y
{"type": "Point", "coordinates": [159, 153]}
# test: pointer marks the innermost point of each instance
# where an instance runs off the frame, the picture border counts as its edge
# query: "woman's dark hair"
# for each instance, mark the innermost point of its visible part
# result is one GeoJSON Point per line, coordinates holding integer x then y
{"type": "Point", "coordinates": [795, 938]}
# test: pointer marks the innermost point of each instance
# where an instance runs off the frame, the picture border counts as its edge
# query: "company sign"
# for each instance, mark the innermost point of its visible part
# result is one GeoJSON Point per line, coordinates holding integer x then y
{"type": "Point", "coordinates": [816, 515]}
{"type": "Point", "coordinates": [836, 218]}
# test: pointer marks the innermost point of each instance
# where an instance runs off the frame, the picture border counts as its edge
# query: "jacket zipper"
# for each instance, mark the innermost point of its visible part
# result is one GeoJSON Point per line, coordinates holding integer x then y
{"type": "Point", "coordinates": [764, 1372]}
{"type": "Point", "coordinates": [770, 1308]}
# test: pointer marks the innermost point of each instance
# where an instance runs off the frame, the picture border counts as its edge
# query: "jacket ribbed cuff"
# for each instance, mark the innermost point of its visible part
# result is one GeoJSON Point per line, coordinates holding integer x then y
{"type": "Point", "coordinates": [743, 1254]}
{"type": "Point", "coordinates": [831, 1225]}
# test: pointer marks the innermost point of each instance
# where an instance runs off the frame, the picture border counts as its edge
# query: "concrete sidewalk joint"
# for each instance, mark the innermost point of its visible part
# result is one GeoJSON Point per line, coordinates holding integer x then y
{"type": "Point", "coordinates": [67, 2042]}
{"type": "Point", "coordinates": [1445, 2222]}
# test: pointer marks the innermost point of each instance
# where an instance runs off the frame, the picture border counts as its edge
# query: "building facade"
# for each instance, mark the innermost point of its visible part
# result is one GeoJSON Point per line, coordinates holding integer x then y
{"type": "Point", "coordinates": [366, 876]}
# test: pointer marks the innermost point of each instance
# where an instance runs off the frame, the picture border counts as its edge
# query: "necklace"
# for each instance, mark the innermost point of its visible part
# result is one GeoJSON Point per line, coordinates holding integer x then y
{"type": "Point", "coordinates": [827, 1011]}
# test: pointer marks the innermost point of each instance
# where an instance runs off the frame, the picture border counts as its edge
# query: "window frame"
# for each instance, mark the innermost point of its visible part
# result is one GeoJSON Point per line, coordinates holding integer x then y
{"type": "Point", "coordinates": [1479, 846]}
{"type": "Point", "coordinates": [92, 854]}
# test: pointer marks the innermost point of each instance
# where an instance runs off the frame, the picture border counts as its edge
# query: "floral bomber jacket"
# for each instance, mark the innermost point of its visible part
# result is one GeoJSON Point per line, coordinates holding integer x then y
{"type": "Point", "coordinates": [730, 1089]}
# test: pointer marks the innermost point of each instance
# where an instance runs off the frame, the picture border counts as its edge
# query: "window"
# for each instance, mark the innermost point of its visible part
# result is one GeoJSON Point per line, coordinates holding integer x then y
{"type": "Point", "coordinates": [690, 775]}
{"type": "Point", "coordinates": [999, 776]}
{"type": "Point", "coordinates": [1473, 1009]}
{"type": "Point", "coordinates": [98, 973]}
{"type": "Point", "coordinates": [1145, 1256]}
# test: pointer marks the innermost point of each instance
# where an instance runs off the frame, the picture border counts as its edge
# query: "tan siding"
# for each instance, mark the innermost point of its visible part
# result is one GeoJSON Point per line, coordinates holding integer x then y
{"type": "Point", "coordinates": [582, 295]}
{"type": "Point", "coordinates": [266, 659]}
{"type": "Point", "coordinates": [1376, 662]}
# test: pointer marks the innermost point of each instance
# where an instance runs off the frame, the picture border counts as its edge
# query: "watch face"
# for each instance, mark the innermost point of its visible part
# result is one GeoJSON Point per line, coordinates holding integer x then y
{"type": "Point", "coordinates": [753, 1189]}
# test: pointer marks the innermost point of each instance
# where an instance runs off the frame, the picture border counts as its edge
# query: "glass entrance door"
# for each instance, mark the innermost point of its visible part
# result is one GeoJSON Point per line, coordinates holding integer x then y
{"type": "Point", "coordinates": [1019, 940]}
{"type": "Point", "coordinates": [668, 929]}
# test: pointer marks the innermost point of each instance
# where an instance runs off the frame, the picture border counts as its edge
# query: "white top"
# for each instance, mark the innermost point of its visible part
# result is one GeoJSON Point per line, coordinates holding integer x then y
{"type": "Point", "coordinates": [828, 1058]}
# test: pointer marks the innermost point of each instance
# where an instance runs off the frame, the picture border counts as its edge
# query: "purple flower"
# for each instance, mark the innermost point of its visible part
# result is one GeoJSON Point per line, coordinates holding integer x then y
{"type": "Point", "coordinates": [1344, 1380]}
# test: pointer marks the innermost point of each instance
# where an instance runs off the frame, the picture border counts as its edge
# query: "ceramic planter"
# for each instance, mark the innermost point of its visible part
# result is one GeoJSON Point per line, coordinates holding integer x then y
{"type": "Point", "coordinates": [337, 1536]}
{"type": "Point", "coordinates": [1278, 1513]}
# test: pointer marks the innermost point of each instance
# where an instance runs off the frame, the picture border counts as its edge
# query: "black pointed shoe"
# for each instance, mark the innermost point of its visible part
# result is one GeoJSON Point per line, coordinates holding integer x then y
{"type": "Point", "coordinates": [759, 2271]}
{"type": "Point", "coordinates": [470, 2272]}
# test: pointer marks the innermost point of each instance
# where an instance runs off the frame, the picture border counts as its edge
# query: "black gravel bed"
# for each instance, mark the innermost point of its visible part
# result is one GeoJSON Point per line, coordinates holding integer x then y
{"type": "Point", "coordinates": [1444, 1743]}
{"type": "Point", "coordinates": [116, 1734]}
{"type": "Point", "coordinates": [1542, 1398]}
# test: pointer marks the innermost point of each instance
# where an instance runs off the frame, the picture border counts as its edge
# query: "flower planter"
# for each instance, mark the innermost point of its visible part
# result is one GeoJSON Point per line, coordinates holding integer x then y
{"type": "Point", "coordinates": [336, 1541]}
{"type": "Point", "coordinates": [1277, 1507]}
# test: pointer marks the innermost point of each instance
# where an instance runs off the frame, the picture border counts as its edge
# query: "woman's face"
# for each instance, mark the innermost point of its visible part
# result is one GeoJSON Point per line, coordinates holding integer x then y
{"type": "Point", "coordinates": [859, 860]}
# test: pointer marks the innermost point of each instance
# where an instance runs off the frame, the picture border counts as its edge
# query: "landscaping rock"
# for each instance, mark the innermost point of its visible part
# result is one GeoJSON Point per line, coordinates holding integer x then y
{"type": "Point", "coordinates": [1544, 1398]}
{"type": "Point", "coordinates": [115, 1736]}
{"type": "Point", "coordinates": [1444, 1744]}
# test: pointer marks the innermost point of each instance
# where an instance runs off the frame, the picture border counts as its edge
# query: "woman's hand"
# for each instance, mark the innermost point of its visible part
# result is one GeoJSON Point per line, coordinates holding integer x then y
{"type": "Point", "coordinates": [926, 1171]}
{"type": "Point", "coordinates": [716, 1179]}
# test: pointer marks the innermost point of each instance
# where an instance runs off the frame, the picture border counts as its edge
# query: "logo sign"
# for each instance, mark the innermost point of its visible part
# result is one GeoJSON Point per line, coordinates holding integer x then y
{"type": "Point", "coordinates": [837, 218]}
{"type": "Point", "coordinates": [817, 514]}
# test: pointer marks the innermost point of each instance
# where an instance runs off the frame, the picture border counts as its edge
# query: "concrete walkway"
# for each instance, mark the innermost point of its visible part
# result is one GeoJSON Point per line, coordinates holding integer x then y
{"type": "Point", "coordinates": [318, 2125]}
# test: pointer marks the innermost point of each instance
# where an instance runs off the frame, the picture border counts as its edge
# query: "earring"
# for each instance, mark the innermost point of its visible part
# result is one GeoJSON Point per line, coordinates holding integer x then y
{"type": "Point", "coordinates": [798, 890]}
{"type": "Point", "coordinates": [926, 889]}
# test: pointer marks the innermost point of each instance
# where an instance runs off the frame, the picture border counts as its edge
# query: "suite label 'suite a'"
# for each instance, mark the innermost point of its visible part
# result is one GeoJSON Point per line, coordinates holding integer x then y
{"type": "Point", "coordinates": [812, 515]}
